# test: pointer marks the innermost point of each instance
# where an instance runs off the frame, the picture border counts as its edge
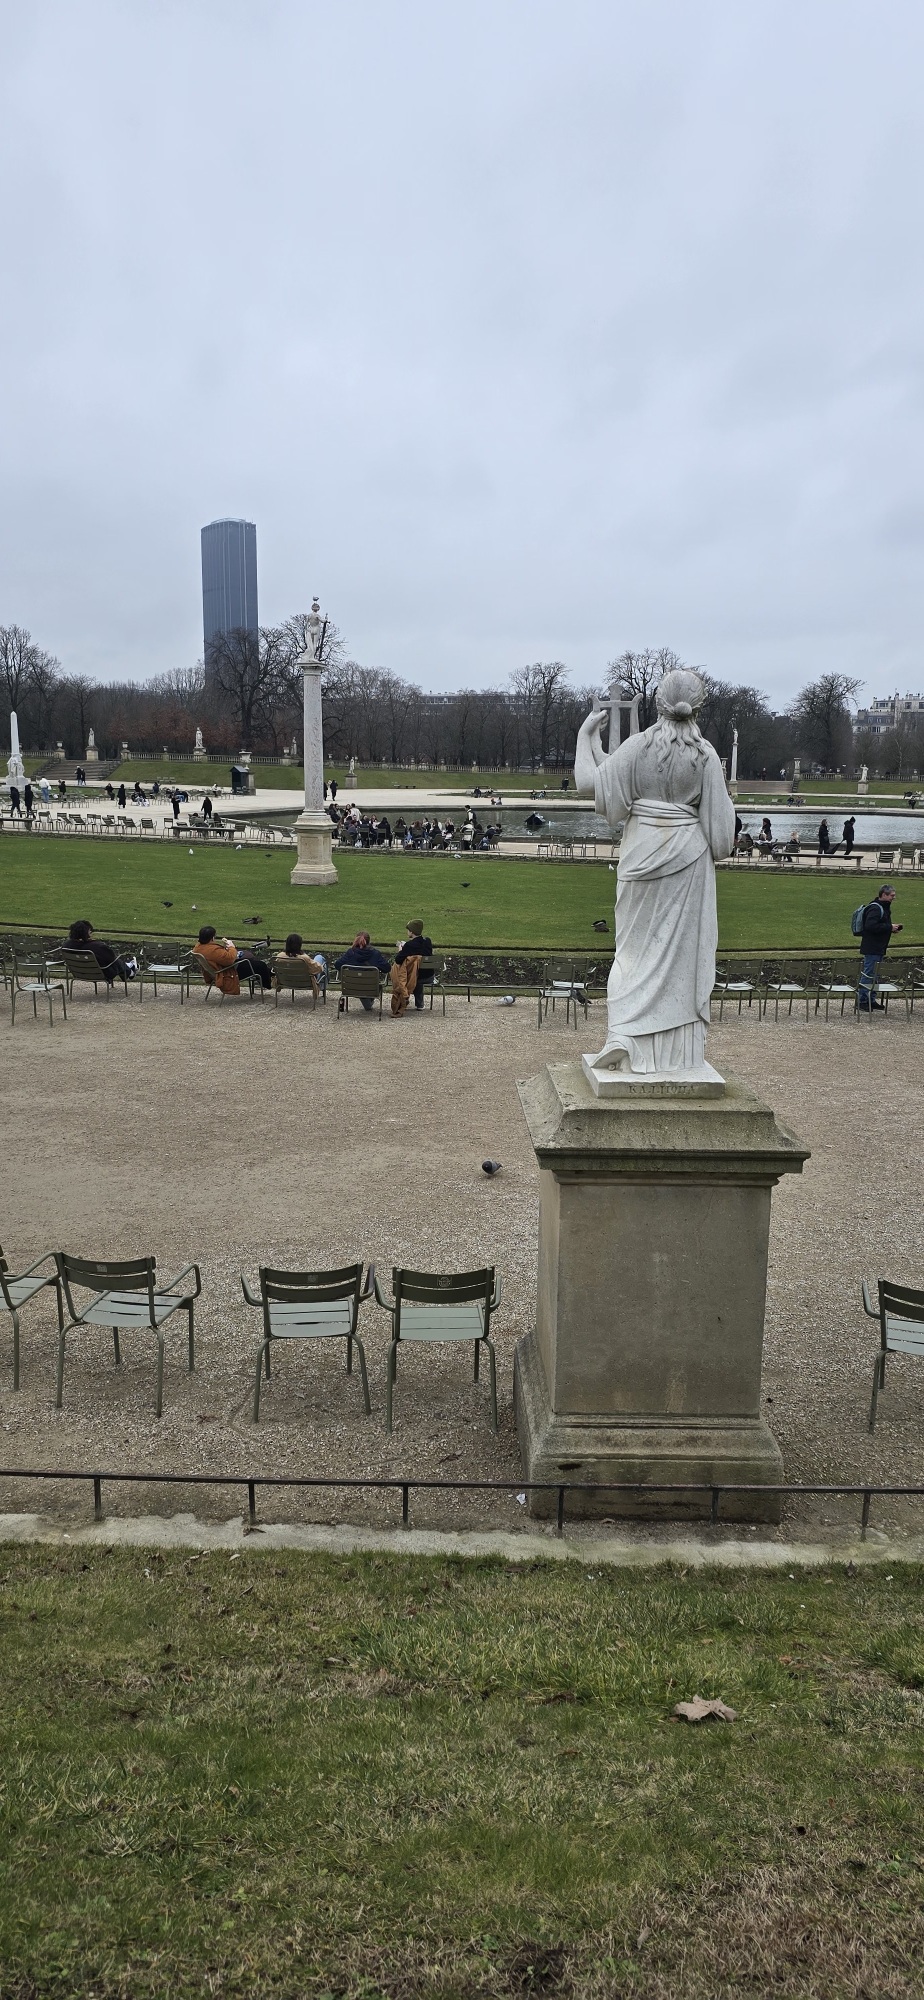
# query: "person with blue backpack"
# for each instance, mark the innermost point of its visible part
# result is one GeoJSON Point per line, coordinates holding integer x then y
{"type": "Point", "coordinates": [872, 924]}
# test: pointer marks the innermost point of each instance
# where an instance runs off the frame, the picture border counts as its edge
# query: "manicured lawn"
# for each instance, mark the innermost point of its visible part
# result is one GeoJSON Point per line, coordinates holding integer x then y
{"type": "Point", "coordinates": [131, 887]}
{"type": "Point", "coordinates": [299, 1777]}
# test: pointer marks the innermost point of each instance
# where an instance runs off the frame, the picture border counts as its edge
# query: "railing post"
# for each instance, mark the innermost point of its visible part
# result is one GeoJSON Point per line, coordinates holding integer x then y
{"type": "Point", "coordinates": [864, 1518]}
{"type": "Point", "coordinates": [97, 1498]}
{"type": "Point", "coordinates": [561, 1510]}
{"type": "Point", "coordinates": [405, 1503]}
{"type": "Point", "coordinates": [251, 1504]}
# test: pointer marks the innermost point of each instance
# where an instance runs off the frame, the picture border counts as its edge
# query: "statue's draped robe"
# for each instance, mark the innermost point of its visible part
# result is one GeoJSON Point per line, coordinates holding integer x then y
{"type": "Point", "coordinates": [679, 820]}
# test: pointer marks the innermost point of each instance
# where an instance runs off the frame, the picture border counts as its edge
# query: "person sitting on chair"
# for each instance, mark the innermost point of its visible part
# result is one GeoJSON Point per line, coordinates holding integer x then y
{"type": "Point", "coordinates": [228, 963]}
{"type": "Point", "coordinates": [293, 950]}
{"type": "Point", "coordinates": [361, 952]}
{"type": "Point", "coordinates": [80, 938]}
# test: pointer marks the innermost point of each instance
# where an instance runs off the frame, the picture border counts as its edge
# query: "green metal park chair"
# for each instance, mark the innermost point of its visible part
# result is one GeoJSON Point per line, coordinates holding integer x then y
{"type": "Point", "coordinates": [310, 1305]}
{"type": "Point", "coordinates": [166, 972]}
{"type": "Point", "coordinates": [16, 1291]}
{"type": "Point", "coordinates": [901, 1329]}
{"type": "Point", "coordinates": [81, 966]}
{"type": "Point", "coordinates": [435, 1307]}
{"type": "Point", "coordinates": [35, 978]}
{"type": "Point", "coordinates": [125, 1297]}
{"type": "Point", "coordinates": [359, 982]}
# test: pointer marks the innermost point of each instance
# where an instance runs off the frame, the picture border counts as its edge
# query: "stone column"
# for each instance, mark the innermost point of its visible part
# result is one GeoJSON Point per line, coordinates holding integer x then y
{"type": "Point", "coordinates": [314, 867]}
{"type": "Point", "coordinates": [733, 774]}
{"type": "Point", "coordinates": [645, 1362]}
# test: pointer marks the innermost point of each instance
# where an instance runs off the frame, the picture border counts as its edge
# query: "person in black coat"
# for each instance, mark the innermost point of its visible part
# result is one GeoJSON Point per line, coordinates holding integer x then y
{"type": "Point", "coordinates": [15, 801]}
{"type": "Point", "coordinates": [874, 943]}
{"type": "Point", "coordinates": [848, 833]}
{"type": "Point", "coordinates": [824, 838]}
{"type": "Point", "coordinates": [416, 946]}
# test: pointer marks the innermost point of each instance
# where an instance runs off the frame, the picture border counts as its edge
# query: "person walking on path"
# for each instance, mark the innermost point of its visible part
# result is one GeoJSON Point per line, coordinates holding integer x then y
{"type": "Point", "coordinates": [120, 797]}
{"type": "Point", "coordinates": [416, 946]}
{"type": "Point", "coordinates": [206, 807]}
{"type": "Point", "coordinates": [15, 801]}
{"type": "Point", "coordinates": [874, 943]}
{"type": "Point", "coordinates": [29, 800]}
{"type": "Point", "coordinates": [824, 838]}
{"type": "Point", "coordinates": [175, 802]}
{"type": "Point", "coordinates": [848, 835]}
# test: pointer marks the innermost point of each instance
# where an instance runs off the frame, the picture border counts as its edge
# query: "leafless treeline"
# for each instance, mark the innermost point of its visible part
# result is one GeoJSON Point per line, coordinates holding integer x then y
{"type": "Point", "coordinates": [250, 697]}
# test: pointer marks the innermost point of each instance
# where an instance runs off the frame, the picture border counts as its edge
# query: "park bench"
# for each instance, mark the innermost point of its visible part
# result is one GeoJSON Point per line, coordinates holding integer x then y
{"type": "Point", "coordinates": [310, 1305]}
{"type": "Point", "coordinates": [433, 1307]}
{"type": "Point", "coordinates": [125, 1297]}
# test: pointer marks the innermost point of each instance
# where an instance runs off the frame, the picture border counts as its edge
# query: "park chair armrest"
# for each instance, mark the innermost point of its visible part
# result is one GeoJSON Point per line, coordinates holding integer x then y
{"type": "Point", "coordinates": [387, 1304]}
{"type": "Point", "coordinates": [369, 1285]}
{"type": "Point", "coordinates": [253, 1298]}
{"type": "Point", "coordinates": [873, 1311]}
{"type": "Point", "coordinates": [168, 1287]}
{"type": "Point", "coordinates": [498, 1289]}
{"type": "Point", "coordinates": [48, 1257]}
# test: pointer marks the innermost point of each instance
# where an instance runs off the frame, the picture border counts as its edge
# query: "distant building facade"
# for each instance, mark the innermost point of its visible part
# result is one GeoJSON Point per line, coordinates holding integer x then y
{"type": "Point", "coordinates": [891, 712]}
{"type": "Point", "coordinates": [229, 580]}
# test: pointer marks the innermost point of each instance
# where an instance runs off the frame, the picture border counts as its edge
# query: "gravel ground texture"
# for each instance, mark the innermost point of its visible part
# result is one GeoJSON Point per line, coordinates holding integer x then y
{"type": "Point", "coordinates": [236, 1134]}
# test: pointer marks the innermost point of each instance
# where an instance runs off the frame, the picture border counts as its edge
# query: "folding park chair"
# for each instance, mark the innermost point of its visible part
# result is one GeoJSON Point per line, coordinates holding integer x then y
{"type": "Point", "coordinates": [435, 1307]}
{"type": "Point", "coordinates": [167, 972]}
{"type": "Point", "coordinates": [82, 966]}
{"type": "Point", "coordinates": [562, 981]}
{"type": "Point", "coordinates": [30, 976]}
{"type": "Point", "coordinates": [124, 1295]}
{"type": "Point", "coordinates": [17, 1291]}
{"type": "Point", "coordinates": [838, 986]}
{"type": "Point", "coordinates": [360, 982]}
{"type": "Point", "coordinates": [248, 979]}
{"type": "Point", "coordinates": [785, 989]}
{"type": "Point", "coordinates": [310, 1305]}
{"type": "Point", "coordinates": [901, 1329]}
{"type": "Point", "coordinates": [435, 982]}
{"type": "Point", "coordinates": [741, 989]}
{"type": "Point", "coordinates": [293, 976]}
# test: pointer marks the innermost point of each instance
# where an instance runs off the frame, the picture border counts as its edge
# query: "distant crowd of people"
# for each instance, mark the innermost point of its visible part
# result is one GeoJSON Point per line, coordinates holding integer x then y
{"type": "Point", "coordinates": [358, 829]}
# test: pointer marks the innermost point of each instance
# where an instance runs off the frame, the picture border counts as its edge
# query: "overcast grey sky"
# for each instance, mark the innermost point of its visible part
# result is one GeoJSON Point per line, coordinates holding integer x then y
{"type": "Point", "coordinates": [522, 329]}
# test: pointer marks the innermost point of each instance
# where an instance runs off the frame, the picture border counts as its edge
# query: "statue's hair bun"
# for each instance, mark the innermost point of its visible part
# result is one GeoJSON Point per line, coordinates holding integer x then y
{"type": "Point", "coordinates": [682, 708]}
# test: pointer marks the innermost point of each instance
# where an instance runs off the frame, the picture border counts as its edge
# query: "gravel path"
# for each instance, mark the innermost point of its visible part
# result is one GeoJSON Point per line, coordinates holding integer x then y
{"type": "Point", "coordinates": [241, 1133]}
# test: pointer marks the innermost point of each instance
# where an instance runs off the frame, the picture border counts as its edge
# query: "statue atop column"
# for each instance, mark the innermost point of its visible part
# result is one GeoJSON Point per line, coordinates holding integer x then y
{"type": "Point", "coordinates": [667, 786]}
{"type": "Point", "coordinates": [311, 651]}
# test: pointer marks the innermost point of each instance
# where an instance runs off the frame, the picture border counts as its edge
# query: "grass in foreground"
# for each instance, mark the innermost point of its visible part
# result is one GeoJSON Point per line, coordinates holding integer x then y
{"type": "Point", "coordinates": [131, 888]}
{"type": "Point", "coordinates": [378, 1776]}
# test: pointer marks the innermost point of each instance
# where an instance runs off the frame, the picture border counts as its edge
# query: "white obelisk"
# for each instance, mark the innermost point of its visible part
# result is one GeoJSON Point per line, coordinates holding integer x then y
{"type": "Point", "coordinates": [15, 770]}
{"type": "Point", "coordinates": [314, 867]}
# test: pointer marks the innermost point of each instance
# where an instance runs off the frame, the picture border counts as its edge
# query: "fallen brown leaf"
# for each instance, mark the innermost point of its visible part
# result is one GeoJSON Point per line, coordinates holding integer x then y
{"type": "Point", "coordinates": [699, 1710]}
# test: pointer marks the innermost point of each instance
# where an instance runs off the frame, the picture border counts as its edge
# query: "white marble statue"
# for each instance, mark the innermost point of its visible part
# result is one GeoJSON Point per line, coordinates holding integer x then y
{"type": "Point", "coordinates": [15, 769]}
{"type": "Point", "coordinates": [91, 741]}
{"type": "Point", "coordinates": [312, 647]}
{"type": "Point", "coordinates": [864, 774]}
{"type": "Point", "coordinates": [667, 786]}
{"type": "Point", "coordinates": [199, 742]}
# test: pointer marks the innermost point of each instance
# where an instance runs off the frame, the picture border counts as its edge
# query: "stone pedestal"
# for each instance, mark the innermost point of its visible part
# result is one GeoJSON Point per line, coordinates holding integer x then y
{"type": "Point", "coordinates": [862, 787]}
{"type": "Point", "coordinates": [314, 867]}
{"type": "Point", "coordinates": [645, 1362]}
{"type": "Point", "coordinates": [199, 755]}
{"type": "Point", "coordinates": [91, 754]}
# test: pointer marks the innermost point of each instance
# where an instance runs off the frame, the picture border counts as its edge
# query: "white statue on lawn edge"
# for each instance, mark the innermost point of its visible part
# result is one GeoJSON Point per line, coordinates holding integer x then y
{"type": "Point", "coordinates": [668, 788]}
{"type": "Point", "coordinates": [15, 769]}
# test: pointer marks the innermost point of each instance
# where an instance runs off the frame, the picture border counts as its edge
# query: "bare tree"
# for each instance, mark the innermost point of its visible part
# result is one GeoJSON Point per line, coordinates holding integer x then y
{"type": "Point", "coordinates": [538, 689]}
{"type": "Point", "coordinates": [639, 673]}
{"type": "Point", "coordinates": [821, 718]}
{"type": "Point", "coordinates": [78, 690]}
{"type": "Point", "coordinates": [253, 672]}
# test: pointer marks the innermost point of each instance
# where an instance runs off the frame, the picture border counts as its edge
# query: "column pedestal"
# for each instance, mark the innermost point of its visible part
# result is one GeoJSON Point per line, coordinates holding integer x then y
{"type": "Point", "coordinates": [314, 867]}
{"type": "Point", "coordinates": [645, 1362]}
